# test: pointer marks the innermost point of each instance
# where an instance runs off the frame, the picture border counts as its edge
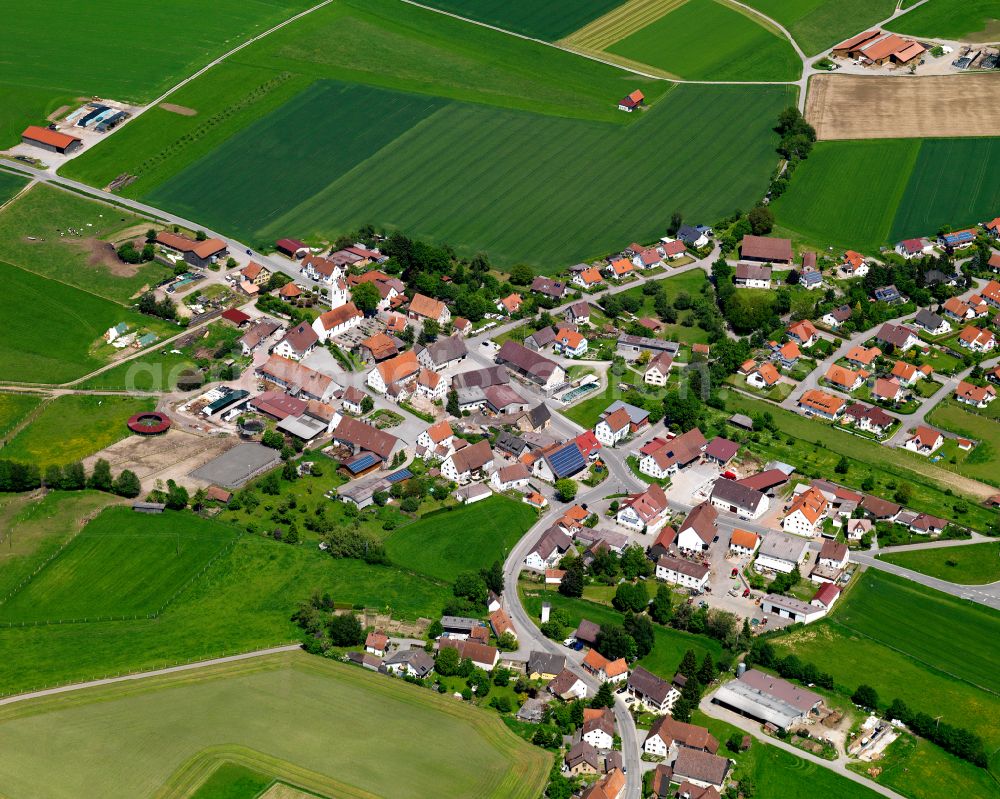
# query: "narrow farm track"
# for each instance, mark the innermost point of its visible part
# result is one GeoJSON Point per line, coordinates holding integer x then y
{"type": "Point", "coordinates": [619, 23]}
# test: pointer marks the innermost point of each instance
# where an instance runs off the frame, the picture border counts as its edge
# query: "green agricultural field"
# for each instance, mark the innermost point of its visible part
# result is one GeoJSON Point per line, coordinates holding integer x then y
{"type": "Point", "coordinates": [64, 236]}
{"type": "Point", "coordinates": [243, 602]}
{"type": "Point", "coordinates": [13, 409]}
{"type": "Point", "coordinates": [519, 116]}
{"type": "Point", "coordinates": [153, 557]}
{"type": "Point", "coordinates": [887, 634]}
{"type": "Point", "coordinates": [548, 21]}
{"type": "Point", "coordinates": [10, 184]}
{"type": "Point", "coordinates": [820, 207]}
{"type": "Point", "coordinates": [71, 427]}
{"type": "Point", "coordinates": [304, 719]}
{"type": "Point", "coordinates": [143, 50]}
{"type": "Point", "coordinates": [33, 528]}
{"type": "Point", "coordinates": [233, 781]}
{"type": "Point", "coordinates": [669, 646]}
{"type": "Point", "coordinates": [975, 564]}
{"type": "Point", "coordinates": [968, 20]}
{"type": "Point", "coordinates": [917, 185]}
{"type": "Point", "coordinates": [981, 463]}
{"type": "Point", "coordinates": [953, 182]}
{"type": "Point", "coordinates": [740, 48]}
{"type": "Point", "coordinates": [466, 538]}
{"type": "Point", "coordinates": [419, 182]}
{"type": "Point", "coordinates": [815, 448]}
{"type": "Point", "coordinates": [819, 24]}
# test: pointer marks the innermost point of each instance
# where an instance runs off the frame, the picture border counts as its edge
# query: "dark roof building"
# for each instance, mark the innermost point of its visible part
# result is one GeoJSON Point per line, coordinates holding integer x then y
{"type": "Point", "coordinates": [765, 249]}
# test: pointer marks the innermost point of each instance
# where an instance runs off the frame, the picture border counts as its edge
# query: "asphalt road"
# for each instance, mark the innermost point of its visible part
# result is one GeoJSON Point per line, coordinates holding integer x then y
{"type": "Point", "coordinates": [988, 595]}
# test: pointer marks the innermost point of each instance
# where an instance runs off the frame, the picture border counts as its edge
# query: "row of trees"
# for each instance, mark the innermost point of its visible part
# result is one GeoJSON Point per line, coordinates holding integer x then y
{"type": "Point", "coordinates": [17, 477]}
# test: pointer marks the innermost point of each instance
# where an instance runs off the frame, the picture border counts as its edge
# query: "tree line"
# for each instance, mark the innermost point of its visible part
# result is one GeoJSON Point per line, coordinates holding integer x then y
{"type": "Point", "coordinates": [17, 477]}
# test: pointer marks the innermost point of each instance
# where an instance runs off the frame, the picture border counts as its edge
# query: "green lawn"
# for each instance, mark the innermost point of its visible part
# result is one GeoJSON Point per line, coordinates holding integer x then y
{"type": "Point", "coordinates": [10, 184]}
{"type": "Point", "coordinates": [887, 633]}
{"type": "Point", "coordinates": [13, 408]}
{"type": "Point", "coordinates": [975, 564]}
{"type": "Point", "coordinates": [75, 322]}
{"type": "Point", "coordinates": [981, 463]}
{"type": "Point", "coordinates": [549, 21]}
{"type": "Point", "coordinates": [918, 185]}
{"type": "Point", "coordinates": [63, 236]}
{"type": "Point", "coordinates": [815, 448]}
{"type": "Point", "coordinates": [233, 781]}
{"type": "Point", "coordinates": [819, 24]}
{"type": "Point", "coordinates": [587, 412]}
{"type": "Point", "coordinates": [153, 557]}
{"type": "Point", "coordinates": [740, 48]}
{"type": "Point", "coordinates": [457, 100]}
{"type": "Point", "coordinates": [461, 539]}
{"type": "Point", "coordinates": [243, 602]}
{"type": "Point", "coordinates": [154, 48]}
{"type": "Point", "coordinates": [669, 646]}
{"type": "Point", "coordinates": [968, 20]}
{"type": "Point", "coordinates": [33, 528]}
{"type": "Point", "coordinates": [305, 719]}
{"type": "Point", "coordinates": [71, 427]}
{"type": "Point", "coordinates": [692, 283]}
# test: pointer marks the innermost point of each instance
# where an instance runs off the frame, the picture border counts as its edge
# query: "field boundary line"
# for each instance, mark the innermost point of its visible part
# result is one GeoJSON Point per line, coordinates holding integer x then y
{"type": "Point", "coordinates": [23, 422]}
{"type": "Point", "coordinates": [914, 658]}
{"type": "Point", "coordinates": [31, 182]}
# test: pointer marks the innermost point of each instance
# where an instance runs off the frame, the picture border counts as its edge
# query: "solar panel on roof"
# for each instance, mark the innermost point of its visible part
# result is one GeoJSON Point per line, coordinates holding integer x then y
{"type": "Point", "coordinates": [567, 461]}
{"type": "Point", "coordinates": [397, 477]}
{"type": "Point", "coordinates": [361, 463]}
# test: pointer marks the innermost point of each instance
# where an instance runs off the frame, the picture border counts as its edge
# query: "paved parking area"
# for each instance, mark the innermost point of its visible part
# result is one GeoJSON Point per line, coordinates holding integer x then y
{"type": "Point", "coordinates": [692, 485]}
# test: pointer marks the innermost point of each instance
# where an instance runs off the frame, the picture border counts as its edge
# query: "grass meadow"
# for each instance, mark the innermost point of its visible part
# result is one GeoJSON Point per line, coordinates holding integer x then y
{"type": "Point", "coordinates": [913, 186]}
{"type": "Point", "coordinates": [981, 463]}
{"type": "Point", "coordinates": [13, 409]}
{"type": "Point", "coordinates": [122, 564]}
{"type": "Point", "coordinates": [244, 601]}
{"type": "Point", "coordinates": [549, 21]}
{"type": "Point", "coordinates": [497, 129]}
{"type": "Point", "coordinates": [740, 48]}
{"type": "Point", "coordinates": [888, 633]}
{"type": "Point", "coordinates": [33, 529]}
{"type": "Point", "coordinates": [233, 781]}
{"type": "Point", "coordinates": [10, 184]}
{"type": "Point", "coordinates": [819, 24]}
{"type": "Point", "coordinates": [461, 539]}
{"type": "Point", "coordinates": [816, 448]}
{"type": "Point", "coordinates": [35, 234]}
{"type": "Point", "coordinates": [73, 426]}
{"type": "Point", "coordinates": [968, 20]}
{"type": "Point", "coordinates": [138, 52]}
{"type": "Point", "coordinates": [303, 717]}
{"type": "Point", "coordinates": [975, 564]}
{"type": "Point", "coordinates": [669, 645]}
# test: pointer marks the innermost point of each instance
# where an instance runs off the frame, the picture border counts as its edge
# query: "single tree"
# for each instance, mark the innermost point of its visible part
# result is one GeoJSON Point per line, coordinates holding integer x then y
{"type": "Point", "coordinates": [346, 630]}
{"type": "Point", "coordinates": [662, 607]}
{"type": "Point", "coordinates": [689, 664]}
{"type": "Point", "coordinates": [572, 581]}
{"type": "Point", "coordinates": [127, 484]}
{"type": "Point", "coordinates": [566, 489]}
{"type": "Point", "coordinates": [865, 696]}
{"type": "Point", "coordinates": [706, 672]}
{"type": "Point", "coordinates": [366, 297]}
{"type": "Point", "coordinates": [605, 696]}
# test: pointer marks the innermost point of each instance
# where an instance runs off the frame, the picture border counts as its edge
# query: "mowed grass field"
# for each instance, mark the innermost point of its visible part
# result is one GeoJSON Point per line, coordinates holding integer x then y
{"type": "Point", "coordinates": [549, 21]}
{"type": "Point", "coordinates": [739, 47]}
{"type": "Point", "coordinates": [121, 564]}
{"type": "Point", "coordinates": [138, 52]}
{"type": "Point", "coordinates": [912, 187]}
{"type": "Point", "coordinates": [981, 463]}
{"type": "Point", "coordinates": [975, 564]}
{"type": "Point", "coordinates": [71, 427]}
{"type": "Point", "coordinates": [968, 20]}
{"type": "Point", "coordinates": [466, 539]}
{"type": "Point", "coordinates": [422, 181]}
{"type": "Point", "coordinates": [13, 408]}
{"type": "Point", "coordinates": [10, 184]}
{"type": "Point", "coordinates": [64, 236]}
{"type": "Point", "coordinates": [244, 601]}
{"type": "Point", "coordinates": [889, 634]}
{"type": "Point", "coordinates": [336, 726]}
{"type": "Point", "coordinates": [498, 130]}
{"type": "Point", "coordinates": [819, 24]}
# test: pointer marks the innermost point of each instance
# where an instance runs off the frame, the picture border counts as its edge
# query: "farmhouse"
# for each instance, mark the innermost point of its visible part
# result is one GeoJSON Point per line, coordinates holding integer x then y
{"type": "Point", "coordinates": [422, 307]}
{"type": "Point", "coordinates": [644, 511]}
{"type": "Point", "coordinates": [260, 332]}
{"type": "Point", "coordinates": [767, 699]}
{"type": "Point", "coordinates": [806, 512]}
{"type": "Point", "coordinates": [582, 758]}
{"type": "Point", "coordinates": [879, 47]}
{"type": "Point", "coordinates": [442, 354]}
{"type": "Point", "coordinates": [196, 253]}
{"type": "Point", "coordinates": [658, 370]}
{"type": "Point", "coordinates": [667, 737]}
{"type": "Point", "coordinates": [297, 343]}
{"type": "Point", "coordinates": [698, 530]}
{"type": "Point", "coordinates": [753, 276]}
{"type": "Point", "coordinates": [540, 339]}
{"type": "Point", "coordinates": [549, 549]}
{"type": "Point", "coordinates": [762, 249]}
{"type": "Point", "coordinates": [510, 477]}
{"type": "Point", "coordinates": [649, 690]}
{"type": "Point", "coordinates": [728, 495]}
{"type": "Point", "coordinates": [781, 553]}
{"type": "Point", "coordinates": [360, 437]}
{"type": "Point", "coordinates": [701, 768]}
{"type": "Point", "coordinates": [482, 656]}
{"type": "Point", "coordinates": [51, 140]}
{"type": "Point", "coordinates": [567, 686]}
{"type": "Point", "coordinates": [669, 456]}
{"type": "Point", "coordinates": [393, 372]}
{"type": "Point", "coordinates": [469, 463]}
{"type": "Point", "coordinates": [598, 727]}
{"type": "Point", "coordinates": [547, 374]}
{"type": "Point", "coordinates": [605, 670]}
{"type": "Point", "coordinates": [300, 380]}
{"type": "Point", "coordinates": [613, 428]}
{"type": "Point", "coordinates": [681, 572]}
{"type": "Point", "coordinates": [336, 322]}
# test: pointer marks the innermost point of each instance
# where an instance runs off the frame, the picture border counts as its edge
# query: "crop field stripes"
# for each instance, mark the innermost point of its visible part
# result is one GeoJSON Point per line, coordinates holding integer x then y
{"type": "Point", "coordinates": [619, 23]}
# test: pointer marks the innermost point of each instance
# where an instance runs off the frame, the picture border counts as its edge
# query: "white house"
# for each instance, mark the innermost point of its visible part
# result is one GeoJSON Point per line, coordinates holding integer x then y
{"type": "Point", "coordinates": [400, 369]}
{"type": "Point", "coordinates": [684, 573]}
{"type": "Point", "coordinates": [806, 513]}
{"type": "Point", "coordinates": [924, 440]}
{"type": "Point", "coordinates": [551, 546]}
{"type": "Point", "coordinates": [743, 543]}
{"type": "Point", "coordinates": [658, 370]}
{"type": "Point", "coordinates": [469, 463]}
{"type": "Point", "coordinates": [790, 608]}
{"type": "Point", "coordinates": [568, 686]}
{"type": "Point", "coordinates": [336, 322]}
{"type": "Point", "coordinates": [746, 502]}
{"type": "Point", "coordinates": [510, 477]}
{"type": "Point", "coordinates": [437, 435]}
{"type": "Point", "coordinates": [781, 553]}
{"type": "Point", "coordinates": [975, 339]}
{"type": "Point", "coordinates": [834, 554]}
{"type": "Point", "coordinates": [698, 530]}
{"type": "Point", "coordinates": [297, 343]}
{"type": "Point", "coordinates": [645, 511]}
{"type": "Point", "coordinates": [613, 428]}
{"type": "Point", "coordinates": [599, 729]}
